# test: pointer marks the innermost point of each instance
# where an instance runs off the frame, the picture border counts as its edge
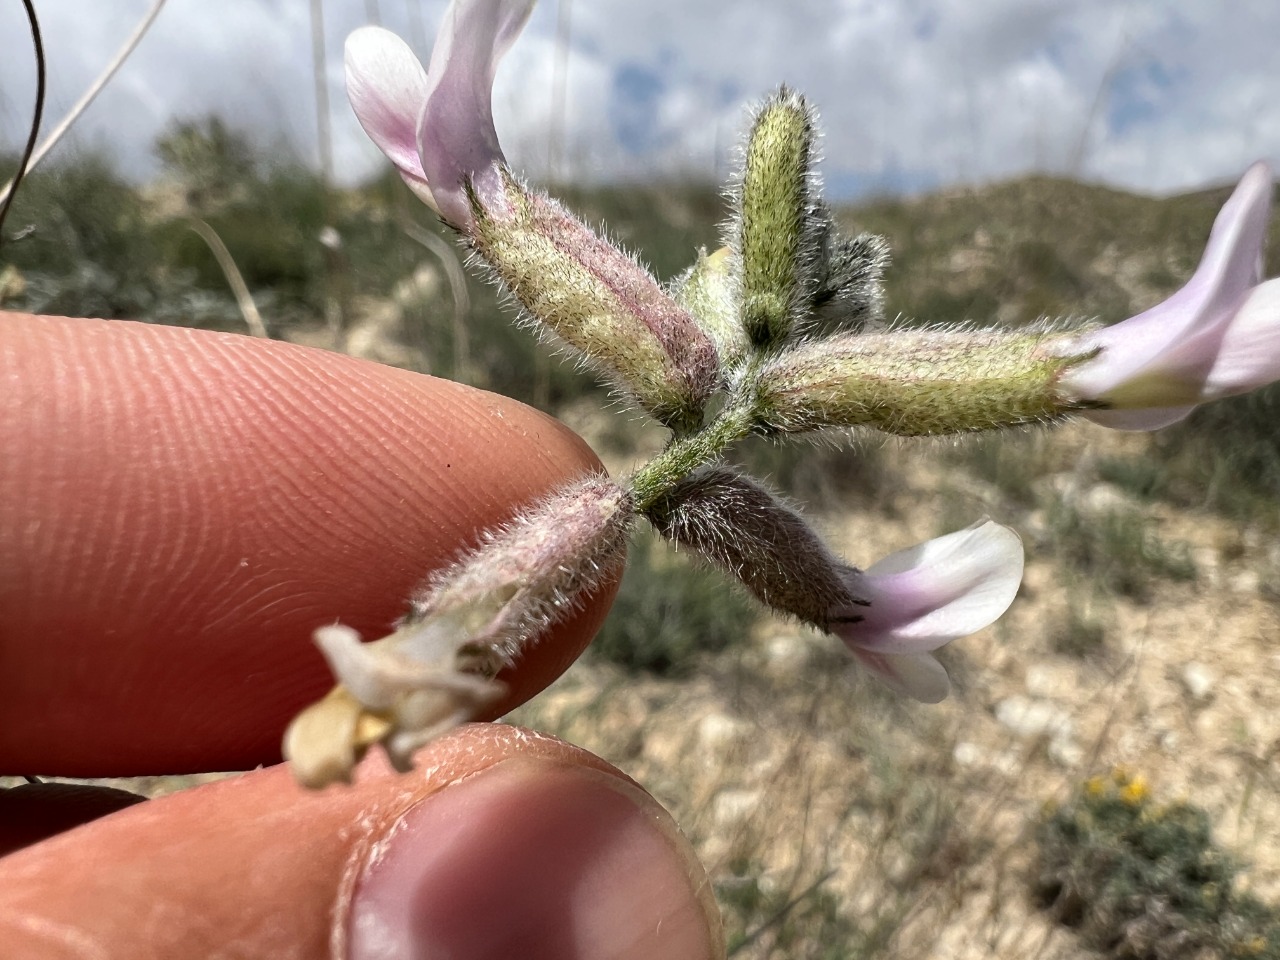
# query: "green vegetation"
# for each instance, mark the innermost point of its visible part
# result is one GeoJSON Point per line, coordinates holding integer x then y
{"type": "Point", "coordinates": [1118, 549]}
{"type": "Point", "coordinates": [669, 612]}
{"type": "Point", "coordinates": [1142, 880]}
{"type": "Point", "coordinates": [1082, 633]}
{"type": "Point", "coordinates": [809, 925]}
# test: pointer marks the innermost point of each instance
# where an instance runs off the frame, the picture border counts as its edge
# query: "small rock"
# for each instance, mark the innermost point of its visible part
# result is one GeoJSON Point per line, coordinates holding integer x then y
{"type": "Point", "coordinates": [1065, 752]}
{"type": "Point", "coordinates": [1046, 680]}
{"type": "Point", "coordinates": [1208, 565]}
{"type": "Point", "coordinates": [1104, 498]}
{"type": "Point", "coordinates": [730, 806]}
{"type": "Point", "coordinates": [1246, 581]}
{"type": "Point", "coordinates": [1033, 718]}
{"type": "Point", "coordinates": [967, 754]}
{"type": "Point", "coordinates": [717, 731]}
{"type": "Point", "coordinates": [787, 651]}
{"type": "Point", "coordinates": [1065, 485]}
{"type": "Point", "coordinates": [1198, 680]}
{"type": "Point", "coordinates": [1029, 717]}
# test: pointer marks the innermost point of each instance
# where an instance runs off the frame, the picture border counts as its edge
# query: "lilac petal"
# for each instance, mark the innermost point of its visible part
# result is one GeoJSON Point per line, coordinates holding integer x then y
{"type": "Point", "coordinates": [1249, 355]}
{"type": "Point", "coordinates": [1160, 358]}
{"type": "Point", "coordinates": [1233, 254]}
{"type": "Point", "coordinates": [915, 675]}
{"type": "Point", "coordinates": [1145, 419]}
{"type": "Point", "coordinates": [387, 88]}
{"type": "Point", "coordinates": [455, 135]}
{"type": "Point", "coordinates": [938, 591]}
{"type": "Point", "coordinates": [1245, 355]}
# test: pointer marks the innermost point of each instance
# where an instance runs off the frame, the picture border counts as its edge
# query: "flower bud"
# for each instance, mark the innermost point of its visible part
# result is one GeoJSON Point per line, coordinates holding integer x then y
{"type": "Point", "coordinates": [707, 291]}
{"type": "Point", "coordinates": [599, 301]}
{"type": "Point", "coordinates": [850, 271]}
{"type": "Point", "coordinates": [777, 226]}
{"type": "Point", "coordinates": [916, 382]}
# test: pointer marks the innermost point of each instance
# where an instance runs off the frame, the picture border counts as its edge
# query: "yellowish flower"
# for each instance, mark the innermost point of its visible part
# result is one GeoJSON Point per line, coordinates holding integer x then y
{"type": "Point", "coordinates": [1135, 791]}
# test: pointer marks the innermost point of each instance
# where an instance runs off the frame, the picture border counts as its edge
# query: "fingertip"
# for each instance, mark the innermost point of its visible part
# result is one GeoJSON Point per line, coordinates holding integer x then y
{"type": "Point", "coordinates": [36, 811]}
{"type": "Point", "coordinates": [500, 833]}
{"type": "Point", "coordinates": [537, 859]}
{"type": "Point", "coordinates": [184, 508]}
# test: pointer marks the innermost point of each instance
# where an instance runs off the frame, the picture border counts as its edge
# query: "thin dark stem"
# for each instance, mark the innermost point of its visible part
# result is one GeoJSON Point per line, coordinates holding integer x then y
{"type": "Point", "coordinates": [781, 914]}
{"type": "Point", "coordinates": [38, 43]}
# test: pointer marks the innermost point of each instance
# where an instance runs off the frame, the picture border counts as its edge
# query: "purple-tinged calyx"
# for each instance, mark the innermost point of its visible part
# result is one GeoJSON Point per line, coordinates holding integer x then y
{"type": "Point", "coordinates": [1216, 337]}
{"type": "Point", "coordinates": [922, 598]}
{"type": "Point", "coordinates": [743, 528]}
{"type": "Point", "coordinates": [471, 620]}
{"type": "Point", "coordinates": [891, 616]}
{"type": "Point", "coordinates": [436, 125]}
{"type": "Point", "coordinates": [600, 302]}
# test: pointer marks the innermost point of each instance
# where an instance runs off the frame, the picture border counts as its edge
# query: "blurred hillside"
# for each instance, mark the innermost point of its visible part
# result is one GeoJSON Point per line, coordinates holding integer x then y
{"type": "Point", "coordinates": [836, 821]}
{"type": "Point", "coordinates": [372, 272]}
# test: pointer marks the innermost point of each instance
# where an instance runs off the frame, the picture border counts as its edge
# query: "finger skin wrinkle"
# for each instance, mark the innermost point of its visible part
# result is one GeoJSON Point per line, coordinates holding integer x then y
{"type": "Point", "coordinates": [190, 506]}
{"type": "Point", "coordinates": [55, 941]}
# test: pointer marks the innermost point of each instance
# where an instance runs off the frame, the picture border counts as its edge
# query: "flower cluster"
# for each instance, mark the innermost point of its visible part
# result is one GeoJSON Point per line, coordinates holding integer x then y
{"type": "Point", "coordinates": [778, 334]}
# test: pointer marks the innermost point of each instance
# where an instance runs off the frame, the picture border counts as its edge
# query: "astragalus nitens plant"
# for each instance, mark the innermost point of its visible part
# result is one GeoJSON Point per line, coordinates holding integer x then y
{"type": "Point", "coordinates": [778, 334]}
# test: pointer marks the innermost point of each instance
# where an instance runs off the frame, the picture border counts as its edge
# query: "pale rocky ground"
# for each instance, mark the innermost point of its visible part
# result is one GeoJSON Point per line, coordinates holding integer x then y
{"type": "Point", "coordinates": [780, 759]}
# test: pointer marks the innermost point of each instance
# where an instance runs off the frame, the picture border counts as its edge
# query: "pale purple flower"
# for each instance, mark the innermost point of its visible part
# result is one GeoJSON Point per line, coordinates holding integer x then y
{"type": "Point", "coordinates": [922, 598]}
{"type": "Point", "coordinates": [436, 125]}
{"type": "Point", "coordinates": [1217, 336]}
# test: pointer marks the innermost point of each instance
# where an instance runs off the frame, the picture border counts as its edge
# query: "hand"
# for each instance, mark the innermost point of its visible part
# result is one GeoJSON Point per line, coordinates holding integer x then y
{"type": "Point", "coordinates": [178, 511]}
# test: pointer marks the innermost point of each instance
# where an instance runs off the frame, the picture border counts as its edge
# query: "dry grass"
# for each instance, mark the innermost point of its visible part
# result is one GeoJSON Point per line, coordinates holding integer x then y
{"type": "Point", "coordinates": [837, 821]}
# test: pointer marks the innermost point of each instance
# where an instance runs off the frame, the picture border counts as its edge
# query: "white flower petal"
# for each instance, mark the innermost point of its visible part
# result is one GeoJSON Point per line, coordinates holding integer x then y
{"type": "Point", "coordinates": [456, 138]}
{"type": "Point", "coordinates": [1158, 364]}
{"type": "Point", "coordinates": [1150, 418]}
{"type": "Point", "coordinates": [356, 665]}
{"type": "Point", "coordinates": [1240, 228]}
{"type": "Point", "coordinates": [387, 88]}
{"type": "Point", "coordinates": [915, 675]}
{"type": "Point", "coordinates": [1249, 355]}
{"type": "Point", "coordinates": [938, 591]}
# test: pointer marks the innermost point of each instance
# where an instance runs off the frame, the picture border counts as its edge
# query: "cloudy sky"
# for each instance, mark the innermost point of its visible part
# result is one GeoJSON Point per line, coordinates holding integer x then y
{"type": "Point", "coordinates": [1152, 95]}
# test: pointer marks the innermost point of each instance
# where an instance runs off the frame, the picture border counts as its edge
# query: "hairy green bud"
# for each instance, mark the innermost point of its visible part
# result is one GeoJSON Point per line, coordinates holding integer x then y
{"type": "Point", "coordinates": [599, 301]}
{"type": "Point", "coordinates": [849, 291]}
{"type": "Point", "coordinates": [916, 382]}
{"type": "Point", "coordinates": [777, 228]}
{"type": "Point", "coordinates": [706, 290]}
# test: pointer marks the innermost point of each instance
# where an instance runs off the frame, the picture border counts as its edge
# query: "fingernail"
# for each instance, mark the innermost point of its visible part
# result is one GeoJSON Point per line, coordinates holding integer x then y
{"type": "Point", "coordinates": [535, 859]}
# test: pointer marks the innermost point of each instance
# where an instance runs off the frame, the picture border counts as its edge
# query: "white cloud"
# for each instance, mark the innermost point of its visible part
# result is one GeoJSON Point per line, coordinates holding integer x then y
{"type": "Point", "coordinates": [912, 93]}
